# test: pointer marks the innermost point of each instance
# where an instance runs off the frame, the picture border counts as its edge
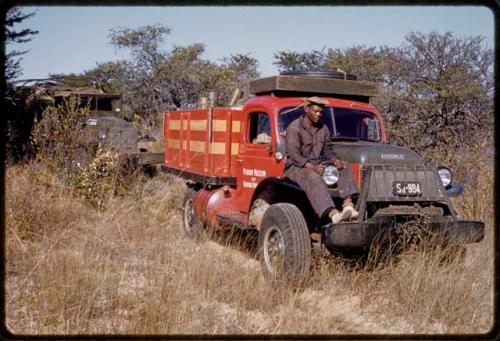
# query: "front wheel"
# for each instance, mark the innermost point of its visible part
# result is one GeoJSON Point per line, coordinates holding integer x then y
{"type": "Point", "coordinates": [284, 245]}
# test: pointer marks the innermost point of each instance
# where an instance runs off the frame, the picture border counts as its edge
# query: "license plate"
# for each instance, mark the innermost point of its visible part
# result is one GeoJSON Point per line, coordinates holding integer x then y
{"type": "Point", "coordinates": [407, 188]}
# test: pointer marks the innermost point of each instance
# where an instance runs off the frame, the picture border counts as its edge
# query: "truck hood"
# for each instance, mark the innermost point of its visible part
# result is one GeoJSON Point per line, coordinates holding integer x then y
{"type": "Point", "coordinates": [374, 153]}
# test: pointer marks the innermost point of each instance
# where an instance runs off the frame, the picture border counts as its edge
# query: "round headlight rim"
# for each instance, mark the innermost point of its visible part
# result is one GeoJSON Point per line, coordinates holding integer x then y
{"type": "Point", "coordinates": [444, 168]}
{"type": "Point", "coordinates": [328, 170]}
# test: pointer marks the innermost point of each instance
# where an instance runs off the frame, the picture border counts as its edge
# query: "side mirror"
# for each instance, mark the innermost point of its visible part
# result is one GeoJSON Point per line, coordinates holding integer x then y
{"type": "Point", "coordinates": [280, 150]}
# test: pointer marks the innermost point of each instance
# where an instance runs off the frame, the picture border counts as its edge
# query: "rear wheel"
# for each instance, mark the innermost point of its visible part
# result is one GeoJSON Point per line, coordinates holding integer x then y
{"type": "Point", "coordinates": [284, 245]}
{"type": "Point", "coordinates": [191, 223]}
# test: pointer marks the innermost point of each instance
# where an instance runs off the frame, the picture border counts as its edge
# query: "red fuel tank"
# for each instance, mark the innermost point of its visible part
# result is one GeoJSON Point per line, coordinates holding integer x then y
{"type": "Point", "coordinates": [210, 204]}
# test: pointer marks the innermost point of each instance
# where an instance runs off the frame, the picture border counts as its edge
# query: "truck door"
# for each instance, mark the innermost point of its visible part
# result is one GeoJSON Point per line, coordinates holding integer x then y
{"type": "Point", "coordinates": [255, 159]}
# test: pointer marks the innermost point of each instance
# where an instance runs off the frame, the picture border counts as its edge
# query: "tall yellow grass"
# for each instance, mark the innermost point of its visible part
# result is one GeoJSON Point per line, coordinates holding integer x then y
{"type": "Point", "coordinates": [73, 269]}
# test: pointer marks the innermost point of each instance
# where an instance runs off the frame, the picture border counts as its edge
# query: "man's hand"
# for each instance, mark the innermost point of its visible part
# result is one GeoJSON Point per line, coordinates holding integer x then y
{"type": "Point", "coordinates": [337, 163]}
{"type": "Point", "coordinates": [317, 168]}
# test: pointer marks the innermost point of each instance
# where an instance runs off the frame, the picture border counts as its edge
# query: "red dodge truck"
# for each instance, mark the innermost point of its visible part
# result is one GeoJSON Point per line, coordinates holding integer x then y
{"type": "Point", "coordinates": [234, 157]}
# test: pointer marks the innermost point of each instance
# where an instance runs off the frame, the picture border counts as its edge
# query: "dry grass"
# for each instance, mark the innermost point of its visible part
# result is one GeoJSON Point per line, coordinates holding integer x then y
{"type": "Point", "coordinates": [72, 269]}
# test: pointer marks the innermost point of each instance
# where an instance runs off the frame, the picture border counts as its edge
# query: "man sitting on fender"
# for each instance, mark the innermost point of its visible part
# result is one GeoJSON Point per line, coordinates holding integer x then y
{"type": "Point", "coordinates": [306, 138]}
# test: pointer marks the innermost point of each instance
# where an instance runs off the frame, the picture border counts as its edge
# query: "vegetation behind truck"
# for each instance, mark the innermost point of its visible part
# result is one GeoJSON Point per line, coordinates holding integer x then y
{"type": "Point", "coordinates": [108, 124]}
{"type": "Point", "coordinates": [234, 160]}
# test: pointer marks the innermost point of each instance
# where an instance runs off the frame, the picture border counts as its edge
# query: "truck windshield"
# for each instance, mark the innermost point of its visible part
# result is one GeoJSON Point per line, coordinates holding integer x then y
{"type": "Point", "coordinates": [341, 122]}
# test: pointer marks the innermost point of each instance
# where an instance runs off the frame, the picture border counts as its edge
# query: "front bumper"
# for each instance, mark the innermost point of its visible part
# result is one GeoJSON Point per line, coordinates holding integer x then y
{"type": "Point", "coordinates": [359, 235]}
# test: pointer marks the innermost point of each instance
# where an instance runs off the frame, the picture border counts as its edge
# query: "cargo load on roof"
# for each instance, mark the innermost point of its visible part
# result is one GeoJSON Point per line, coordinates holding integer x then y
{"type": "Point", "coordinates": [338, 84]}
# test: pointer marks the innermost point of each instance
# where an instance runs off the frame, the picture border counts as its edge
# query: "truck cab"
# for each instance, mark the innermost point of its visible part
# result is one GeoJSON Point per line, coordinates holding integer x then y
{"type": "Point", "coordinates": [263, 144]}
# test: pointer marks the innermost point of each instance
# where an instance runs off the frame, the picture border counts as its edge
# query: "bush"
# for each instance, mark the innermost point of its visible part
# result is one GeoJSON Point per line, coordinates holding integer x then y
{"type": "Point", "coordinates": [60, 141]}
{"type": "Point", "coordinates": [99, 179]}
{"type": "Point", "coordinates": [69, 151]}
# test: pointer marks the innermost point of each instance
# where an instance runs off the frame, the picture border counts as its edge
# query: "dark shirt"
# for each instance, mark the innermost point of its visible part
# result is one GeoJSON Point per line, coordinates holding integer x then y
{"type": "Point", "coordinates": [305, 142]}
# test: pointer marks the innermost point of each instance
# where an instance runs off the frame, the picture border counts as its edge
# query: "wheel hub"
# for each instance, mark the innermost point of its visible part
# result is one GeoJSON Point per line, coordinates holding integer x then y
{"type": "Point", "coordinates": [188, 215]}
{"type": "Point", "coordinates": [274, 250]}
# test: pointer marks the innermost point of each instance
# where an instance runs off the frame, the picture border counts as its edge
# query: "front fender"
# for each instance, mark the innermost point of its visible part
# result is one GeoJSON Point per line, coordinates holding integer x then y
{"type": "Point", "coordinates": [282, 190]}
{"type": "Point", "coordinates": [454, 189]}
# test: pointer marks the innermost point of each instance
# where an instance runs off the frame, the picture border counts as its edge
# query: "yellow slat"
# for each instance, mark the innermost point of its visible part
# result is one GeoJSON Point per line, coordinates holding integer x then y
{"type": "Point", "coordinates": [217, 148]}
{"type": "Point", "coordinates": [174, 143]}
{"type": "Point", "coordinates": [201, 125]}
{"type": "Point", "coordinates": [197, 146]}
{"type": "Point", "coordinates": [219, 126]}
{"type": "Point", "coordinates": [174, 124]}
{"type": "Point", "coordinates": [234, 148]}
{"type": "Point", "coordinates": [236, 127]}
{"type": "Point", "coordinates": [198, 125]}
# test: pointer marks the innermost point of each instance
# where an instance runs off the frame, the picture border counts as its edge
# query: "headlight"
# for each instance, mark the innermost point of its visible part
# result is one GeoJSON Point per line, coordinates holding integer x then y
{"type": "Point", "coordinates": [445, 175]}
{"type": "Point", "coordinates": [331, 175]}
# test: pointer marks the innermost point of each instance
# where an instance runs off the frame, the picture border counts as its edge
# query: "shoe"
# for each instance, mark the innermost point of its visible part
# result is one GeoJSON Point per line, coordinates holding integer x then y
{"type": "Point", "coordinates": [353, 213]}
{"type": "Point", "coordinates": [335, 216]}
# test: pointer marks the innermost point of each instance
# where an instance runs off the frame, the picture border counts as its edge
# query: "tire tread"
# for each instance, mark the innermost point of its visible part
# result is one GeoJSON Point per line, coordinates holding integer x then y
{"type": "Point", "coordinates": [296, 238]}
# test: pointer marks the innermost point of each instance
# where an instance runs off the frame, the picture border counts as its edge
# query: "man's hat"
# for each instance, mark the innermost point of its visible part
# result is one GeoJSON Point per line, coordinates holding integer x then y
{"type": "Point", "coordinates": [314, 100]}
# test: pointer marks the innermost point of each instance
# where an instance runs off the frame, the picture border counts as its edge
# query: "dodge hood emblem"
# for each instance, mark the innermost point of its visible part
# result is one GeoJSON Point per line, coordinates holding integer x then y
{"type": "Point", "coordinates": [391, 156]}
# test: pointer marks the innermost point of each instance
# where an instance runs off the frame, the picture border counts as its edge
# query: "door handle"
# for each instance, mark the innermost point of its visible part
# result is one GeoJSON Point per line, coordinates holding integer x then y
{"type": "Point", "coordinates": [239, 161]}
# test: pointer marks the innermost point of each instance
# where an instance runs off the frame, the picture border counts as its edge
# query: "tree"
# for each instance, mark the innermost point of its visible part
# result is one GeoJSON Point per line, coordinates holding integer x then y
{"type": "Point", "coordinates": [18, 121]}
{"type": "Point", "coordinates": [437, 88]}
{"type": "Point", "coordinates": [300, 61]}
{"type": "Point", "coordinates": [448, 85]}
{"type": "Point", "coordinates": [154, 79]}
{"type": "Point", "coordinates": [110, 77]}
{"type": "Point", "coordinates": [143, 43]}
{"type": "Point", "coordinates": [244, 70]}
{"type": "Point", "coordinates": [16, 16]}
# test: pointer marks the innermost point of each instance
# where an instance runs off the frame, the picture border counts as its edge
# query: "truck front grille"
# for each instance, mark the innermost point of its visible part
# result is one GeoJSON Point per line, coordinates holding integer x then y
{"type": "Point", "coordinates": [382, 177]}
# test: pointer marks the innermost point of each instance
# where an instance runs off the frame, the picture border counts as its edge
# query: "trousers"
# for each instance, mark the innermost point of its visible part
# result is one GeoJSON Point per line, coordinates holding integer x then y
{"type": "Point", "coordinates": [317, 191]}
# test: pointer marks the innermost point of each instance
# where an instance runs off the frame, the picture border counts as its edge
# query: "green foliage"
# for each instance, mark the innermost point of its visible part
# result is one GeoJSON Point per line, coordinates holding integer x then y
{"type": "Point", "coordinates": [100, 179]}
{"type": "Point", "coordinates": [146, 36]}
{"type": "Point", "coordinates": [111, 77]}
{"type": "Point", "coordinates": [73, 80]}
{"type": "Point", "coordinates": [244, 69]}
{"type": "Point", "coordinates": [14, 17]}
{"type": "Point", "coordinates": [438, 88]}
{"type": "Point", "coordinates": [176, 78]}
{"type": "Point", "coordinates": [296, 61]}
{"type": "Point", "coordinates": [143, 43]}
{"type": "Point", "coordinates": [67, 150]}
{"type": "Point", "coordinates": [59, 138]}
{"type": "Point", "coordinates": [153, 79]}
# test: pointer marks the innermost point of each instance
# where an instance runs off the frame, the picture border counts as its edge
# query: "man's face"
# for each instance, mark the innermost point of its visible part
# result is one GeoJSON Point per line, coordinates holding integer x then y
{"type": "Point", "coordinates": [313, 112]}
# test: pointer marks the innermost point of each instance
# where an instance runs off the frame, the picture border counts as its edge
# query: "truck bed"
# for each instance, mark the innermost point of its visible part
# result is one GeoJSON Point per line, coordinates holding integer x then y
{"type": "Point", "coordinates": [201, 144]}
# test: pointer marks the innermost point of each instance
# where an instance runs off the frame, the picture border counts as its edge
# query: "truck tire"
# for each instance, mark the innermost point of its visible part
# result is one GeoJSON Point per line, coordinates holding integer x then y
{"type": "Point", "coordinates": [284, 245]}
{"type": "Point", "coordinates": [191, 223]}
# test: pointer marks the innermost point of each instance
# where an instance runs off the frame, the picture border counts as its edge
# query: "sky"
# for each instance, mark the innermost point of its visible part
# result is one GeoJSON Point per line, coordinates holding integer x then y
{"type": "Point", "coordinates": [74, 39]}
